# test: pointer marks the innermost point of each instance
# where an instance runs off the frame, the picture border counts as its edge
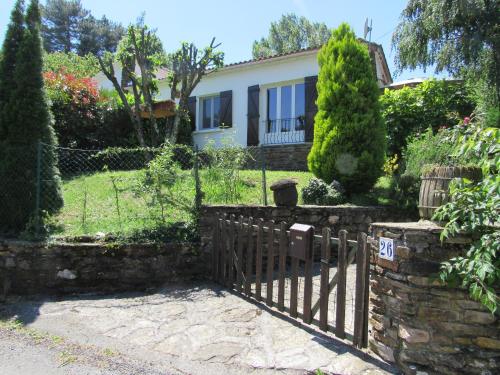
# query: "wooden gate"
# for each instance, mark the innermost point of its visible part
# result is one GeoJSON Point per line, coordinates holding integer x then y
{"type": "Point", "coordinates": [254, 258]}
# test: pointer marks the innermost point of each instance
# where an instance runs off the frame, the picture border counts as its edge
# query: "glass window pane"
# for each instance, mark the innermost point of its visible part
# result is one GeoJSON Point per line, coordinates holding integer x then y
{"type": "Point", "coordinates": [216, 111]}
{"type": "Point", "coordinates": [286, 108]}
{"type": "Point", "coordinates": [207, 112]}
{"type": "Point", "coordinates": [300, 106]}
{"type": "Point", "coordinates": [272, 109]}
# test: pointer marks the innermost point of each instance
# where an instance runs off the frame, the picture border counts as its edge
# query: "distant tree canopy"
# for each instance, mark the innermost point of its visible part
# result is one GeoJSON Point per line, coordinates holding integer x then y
{"type": "Point", "coordinates": [68, 27]}
{"type": "Point", "coordinates": [452, 35]}
{"type": "Point", "coordinates": [289, 34]}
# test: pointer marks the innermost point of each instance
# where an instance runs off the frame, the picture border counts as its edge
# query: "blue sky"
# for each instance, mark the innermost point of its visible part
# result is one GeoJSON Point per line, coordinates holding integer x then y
{"type": "Point", "coordinates": [236, 23]}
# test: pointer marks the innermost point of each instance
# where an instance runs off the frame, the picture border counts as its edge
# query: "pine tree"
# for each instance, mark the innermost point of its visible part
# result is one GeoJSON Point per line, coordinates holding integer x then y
{"type": "Point", "coordinates": [10, 48]}
{"type": "Point", "coordinates": [349, 135]}
{"type": "Point", "coordinates": [29, 122]}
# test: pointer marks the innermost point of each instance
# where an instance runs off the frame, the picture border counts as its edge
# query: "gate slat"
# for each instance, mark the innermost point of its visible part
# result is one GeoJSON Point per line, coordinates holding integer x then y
{"type": "Point", "coordinates": [282, 266]}
{"type": "Point", "coordinates": [341, 286]}
{"type": "Point", "coordinates": [215, 250]}
{"type": "Point", "coordinates": [270, 265]}
{"type": "Point", "coordinates": [364, 342]}
{"type": "Point", "coordinates": [361, 260]}
{"type": "Point", "coordinates": [294, 287]}
{"type": "Point", "coordinates": [308, 283]}
{"type": "Point", "coordinates": [230, 279]}
{"type": "Point", "coordinates": [239, 260]}
{"type": "Point", "coordinates": [258, 260]}
{"type": "Point", "coordinates": [223, 242]}
{"type": "Point", "coordinates": [324, 292]}
{"type": "Point", "coordinates": [249, 259]}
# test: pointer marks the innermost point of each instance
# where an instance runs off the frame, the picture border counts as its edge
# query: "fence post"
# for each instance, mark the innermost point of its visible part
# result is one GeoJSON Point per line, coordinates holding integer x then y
{"type": "Point", "coordinates": [38, 187]}
{"type": "Point", "coordinates": [263, 167]}
{"type": "Point", "coordinates": [198, 193]}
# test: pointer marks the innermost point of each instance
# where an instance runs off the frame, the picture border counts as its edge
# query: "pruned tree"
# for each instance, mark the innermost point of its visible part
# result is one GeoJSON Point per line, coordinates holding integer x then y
{"type": "Point", "coordinates": [289, 34]}
{"type": "Point", "coordinates": [188, 66]}
{"type": "Point", "coordinates": [140, 48]}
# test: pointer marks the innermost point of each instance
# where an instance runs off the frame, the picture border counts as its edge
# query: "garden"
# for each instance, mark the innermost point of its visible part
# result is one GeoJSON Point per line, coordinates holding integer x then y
{"type": "Point", "coordinates": [146, 181]}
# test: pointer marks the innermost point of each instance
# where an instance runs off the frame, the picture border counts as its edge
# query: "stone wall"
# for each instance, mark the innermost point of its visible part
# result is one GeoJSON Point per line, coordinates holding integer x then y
{"type": "Point", "coordinates": [354, 219]}
{"type": "Point", "coordinates": [31, 268]}
{"type": "Point", "coordinates": [418, 322]}
{"type": "Point", "coordinates": [287, 157]}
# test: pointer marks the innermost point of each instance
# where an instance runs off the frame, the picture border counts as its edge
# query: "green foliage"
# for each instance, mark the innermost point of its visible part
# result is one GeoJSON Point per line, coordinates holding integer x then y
{"type": "Point", "coordinates": [289, 34]}
{"type": "Point", "coordinates": [10, 48]}
{"type": "Point", "coordinates": [70, 63]}
{"type": "Point", "coordinates": [319, 193]}
{"type": "Point", "coordinates": [222, 167]}
{"type": "Point", "coordinates": [427, 149]}
{"type": "Point", "coordinates": [474, 209]}
{"type": "Point", "coordinates": [68, 27]}
{"type": "Point", "coordinates": [28, 122]}
{"type": "Point", "coordinates": [349, 134]}
{"type": "Point", "coordinates": [452, 35]}
{"type": "Point", "coordinates": [159, 184]}
{"type": "Point", "coordinates": [433, 104]}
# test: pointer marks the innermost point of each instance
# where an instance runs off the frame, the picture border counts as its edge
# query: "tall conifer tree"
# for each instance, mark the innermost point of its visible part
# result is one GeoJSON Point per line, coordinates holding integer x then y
{"type": "Point", "coordinates": [29, 122]}
{"type": "Point", "coordinates": [349, 134]}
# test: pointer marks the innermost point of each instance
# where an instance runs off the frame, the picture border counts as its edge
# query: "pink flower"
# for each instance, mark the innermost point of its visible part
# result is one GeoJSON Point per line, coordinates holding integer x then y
{"type": "Point", "coordinates": [466, 120]}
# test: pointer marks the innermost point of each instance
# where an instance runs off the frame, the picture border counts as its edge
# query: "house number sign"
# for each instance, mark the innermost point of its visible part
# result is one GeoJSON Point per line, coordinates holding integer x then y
{"type": "Point", "coordinates": [386, 248]}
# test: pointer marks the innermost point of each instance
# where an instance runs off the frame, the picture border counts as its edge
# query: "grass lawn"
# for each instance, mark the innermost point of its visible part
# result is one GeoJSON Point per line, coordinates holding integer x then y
{"type": "Point", "coordinates": [92, 203]}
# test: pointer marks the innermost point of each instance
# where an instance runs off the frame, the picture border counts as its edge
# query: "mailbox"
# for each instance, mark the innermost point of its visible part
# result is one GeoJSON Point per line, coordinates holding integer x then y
{"type": "Point", "coordinates": [301, 240]}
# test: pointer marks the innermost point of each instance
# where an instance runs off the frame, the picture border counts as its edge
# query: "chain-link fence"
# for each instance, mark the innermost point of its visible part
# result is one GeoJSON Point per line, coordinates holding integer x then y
{"type": "Point", "coordinates": [72, 192]}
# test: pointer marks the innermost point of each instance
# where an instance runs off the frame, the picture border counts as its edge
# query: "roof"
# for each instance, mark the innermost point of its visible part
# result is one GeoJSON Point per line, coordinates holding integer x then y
{"type": "Point", "coordinates": [299, 52]}
{"type": "Point", "coordinates": [412, 82]}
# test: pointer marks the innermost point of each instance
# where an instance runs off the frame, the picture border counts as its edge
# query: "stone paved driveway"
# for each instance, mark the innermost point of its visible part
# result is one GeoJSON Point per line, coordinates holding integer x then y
{"type": "Point", "coordinates": [195, 329]}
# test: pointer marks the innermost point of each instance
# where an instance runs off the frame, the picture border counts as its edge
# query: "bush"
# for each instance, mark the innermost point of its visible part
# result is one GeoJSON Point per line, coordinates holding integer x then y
{"type": "Point", "coordinates": [349, 135]}
{"type": "Point", "coordinates": [426, 149]}
{"type": "Point", "coordinates": [319, 193]}
{"type": "Point", "coordinates": [432, 104]}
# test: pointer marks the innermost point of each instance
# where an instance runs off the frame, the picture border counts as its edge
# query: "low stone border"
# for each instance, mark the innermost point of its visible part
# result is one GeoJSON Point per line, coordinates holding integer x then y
{"type": "Point", "coordinates": [70, 267]}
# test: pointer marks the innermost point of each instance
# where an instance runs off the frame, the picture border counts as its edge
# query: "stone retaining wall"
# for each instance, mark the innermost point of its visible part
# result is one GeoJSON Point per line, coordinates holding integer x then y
{"type": "Point", "coordinates": [32, 268]}
{"type": "Point", "coordinates": [354, 219]}
{"type": "Point", "coordinates": [418, 322]}
{"type": "Point", "coordinates": [287, 157]}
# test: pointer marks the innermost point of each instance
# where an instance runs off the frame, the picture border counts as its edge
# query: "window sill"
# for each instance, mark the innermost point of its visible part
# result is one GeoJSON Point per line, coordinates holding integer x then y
{"type": "Point", "coordinates": [205, 131]}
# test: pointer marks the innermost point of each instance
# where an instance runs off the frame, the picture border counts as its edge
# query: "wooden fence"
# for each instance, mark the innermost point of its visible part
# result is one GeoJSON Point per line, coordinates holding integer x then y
{"type": "Point", "coordinates": [250, 257]}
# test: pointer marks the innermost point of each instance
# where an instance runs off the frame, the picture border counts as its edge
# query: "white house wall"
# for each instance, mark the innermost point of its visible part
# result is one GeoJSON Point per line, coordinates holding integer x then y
{"type": "Point", "coordinates": [238, 79]}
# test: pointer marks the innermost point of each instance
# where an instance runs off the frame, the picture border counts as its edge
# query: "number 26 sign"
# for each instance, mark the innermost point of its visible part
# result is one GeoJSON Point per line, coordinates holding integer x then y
{"type": "Point", "coordinates": [386, 248]}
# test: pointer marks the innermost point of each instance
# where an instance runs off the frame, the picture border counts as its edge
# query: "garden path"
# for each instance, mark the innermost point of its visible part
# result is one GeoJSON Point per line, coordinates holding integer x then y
{"type": "Point", "coordinates": [202, 329]}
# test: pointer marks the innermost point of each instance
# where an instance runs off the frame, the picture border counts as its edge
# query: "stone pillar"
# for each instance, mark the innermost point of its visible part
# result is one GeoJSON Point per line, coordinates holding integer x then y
{"type": "Point", "coordinates": [418, 322]}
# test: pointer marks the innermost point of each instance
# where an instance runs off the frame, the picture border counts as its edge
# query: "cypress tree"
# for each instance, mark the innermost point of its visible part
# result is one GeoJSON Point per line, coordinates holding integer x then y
{"type": "Point", "coordinates": [349, 134]}
{"type": "Point", "coordinates": [10, 48]}
{"type": "Point", "coordinates": [29, 122]}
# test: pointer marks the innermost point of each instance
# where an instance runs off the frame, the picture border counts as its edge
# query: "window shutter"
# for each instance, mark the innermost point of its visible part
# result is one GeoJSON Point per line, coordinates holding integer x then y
{"type": "Point", "coordinates": [226, 109]}
{"type": "Point", "coordinates": [311, 94]}
{"type": "Point", "coordinates": [191, 104]}
{"type": "Point", "coordinates": [253, 116]}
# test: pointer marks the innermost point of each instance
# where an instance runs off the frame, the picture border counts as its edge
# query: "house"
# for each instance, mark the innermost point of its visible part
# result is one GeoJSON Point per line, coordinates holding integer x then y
{"type": "Point", "coordinates": [268, 102]}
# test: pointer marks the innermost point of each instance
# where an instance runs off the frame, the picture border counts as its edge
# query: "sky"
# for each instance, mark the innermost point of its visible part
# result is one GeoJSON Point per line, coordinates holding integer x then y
{"type": "Point", "coordinates": [237, 23]}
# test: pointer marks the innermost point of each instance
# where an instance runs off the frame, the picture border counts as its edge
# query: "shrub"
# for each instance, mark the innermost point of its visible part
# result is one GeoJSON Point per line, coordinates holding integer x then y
{"type": "Point", "coordinates": [426, 149]}
{"type": "Point", "coordinates": [349, 135]}
{"type": "Point", "coordinates": [433, 104]}
{"type": "Point", "coordinates": [319, 193]}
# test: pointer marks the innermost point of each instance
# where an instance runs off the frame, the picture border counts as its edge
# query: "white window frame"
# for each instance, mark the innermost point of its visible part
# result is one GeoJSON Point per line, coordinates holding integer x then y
{"type": "Point", "coordinates": [201, 114]}
{"type": "Point", "coordinates": [297, 134]}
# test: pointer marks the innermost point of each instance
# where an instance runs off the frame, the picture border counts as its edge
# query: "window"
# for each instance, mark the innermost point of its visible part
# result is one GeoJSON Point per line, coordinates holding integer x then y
{"type": "Point", "coordinates": [286, 108]}
{"type": "Point", "coordinates": [210, 109]}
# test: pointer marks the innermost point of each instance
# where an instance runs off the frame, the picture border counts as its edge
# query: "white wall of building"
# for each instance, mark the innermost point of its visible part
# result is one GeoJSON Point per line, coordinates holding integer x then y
{"type": "Point", "coordinates": [238, 79]}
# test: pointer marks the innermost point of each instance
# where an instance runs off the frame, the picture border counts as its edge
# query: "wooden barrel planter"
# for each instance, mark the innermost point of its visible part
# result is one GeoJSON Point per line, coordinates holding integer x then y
{"type": "Point", "coordinates": [434, 189]}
